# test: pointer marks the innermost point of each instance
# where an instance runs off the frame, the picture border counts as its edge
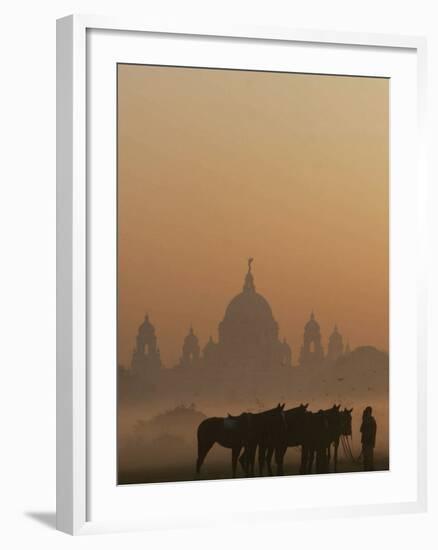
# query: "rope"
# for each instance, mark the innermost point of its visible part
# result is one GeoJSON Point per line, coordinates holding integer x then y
{"type": "Point", "coordinates": [346, 444]}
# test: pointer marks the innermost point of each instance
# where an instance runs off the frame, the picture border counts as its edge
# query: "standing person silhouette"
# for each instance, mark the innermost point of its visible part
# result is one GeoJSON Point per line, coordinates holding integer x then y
{"type": "Point", "coordinates": [368, 430]}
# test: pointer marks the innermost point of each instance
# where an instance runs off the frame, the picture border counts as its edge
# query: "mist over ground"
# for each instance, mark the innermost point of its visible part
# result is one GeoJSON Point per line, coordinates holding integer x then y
{"type": "Point", "coordinates": [157, 435]}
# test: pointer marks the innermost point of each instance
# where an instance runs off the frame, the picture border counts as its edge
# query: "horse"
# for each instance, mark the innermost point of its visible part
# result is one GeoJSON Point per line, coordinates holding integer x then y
{"type": "Point", "coordinates": [231, 432]}
{"type": "Point", "coordinates": [315, 441]}
{"type": "Point", "coordinates": [339, 424]}
{"type": "Point", "coordinates": [322, 430]}
{"type": "Point", "coordinates": [266, 429]}
{"type": "Point", "coordinates": [292, 437]}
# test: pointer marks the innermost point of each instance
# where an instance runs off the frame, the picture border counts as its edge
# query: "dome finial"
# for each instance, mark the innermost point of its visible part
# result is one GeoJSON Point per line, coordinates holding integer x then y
{"type": "Point", "coordinates": [249, 279]}
{"type": "Point", "coordinates": [312, 316]}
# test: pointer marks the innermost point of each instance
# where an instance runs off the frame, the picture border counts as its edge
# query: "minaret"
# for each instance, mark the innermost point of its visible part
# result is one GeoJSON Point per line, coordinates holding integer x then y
{"type": "Point", "coordinates": [146, 356]}
{"type": "Point", "coordinates": [286, 354]}
{"type": "Point", "coordinates": [312, 352]}
{"type": "Point", "coordinates": [335, 345]}
{"type": "Point", "coordinates": [209, 353]}
{"type": "Point", "coordinates": [191, 350]}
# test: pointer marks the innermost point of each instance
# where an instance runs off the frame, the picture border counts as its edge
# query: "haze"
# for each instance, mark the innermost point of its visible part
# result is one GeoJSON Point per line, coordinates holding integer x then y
{"type": "Point", "coordinates": [215, 166]}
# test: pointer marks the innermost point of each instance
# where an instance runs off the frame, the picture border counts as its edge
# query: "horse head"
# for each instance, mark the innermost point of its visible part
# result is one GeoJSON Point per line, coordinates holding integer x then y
{"type": "Point", "coordinates": [346, 421]}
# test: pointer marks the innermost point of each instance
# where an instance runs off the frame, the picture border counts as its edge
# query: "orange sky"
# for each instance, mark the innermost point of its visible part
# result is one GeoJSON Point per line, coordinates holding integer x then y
{"type": "Point", "coordinates": [215, 166]}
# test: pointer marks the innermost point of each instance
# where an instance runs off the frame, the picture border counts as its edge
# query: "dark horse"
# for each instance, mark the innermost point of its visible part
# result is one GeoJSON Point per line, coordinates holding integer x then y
{"type": "Point", "coordinates": [267, 428]}
{"type": "Point", "coordinates": [339, 424]}
{"type": "Point", "coordinates": [315, 441]}
{"type": "Point", "coordinates": [291, 437]}
{"type": "Point", "coordinates": [231, 433]}
{"type": "Point", "coordinates": [321, 430]}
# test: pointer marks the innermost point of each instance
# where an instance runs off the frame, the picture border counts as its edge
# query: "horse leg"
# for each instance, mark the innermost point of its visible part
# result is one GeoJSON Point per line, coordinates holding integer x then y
{"type": "Point", "coordinates": [262, 451]}
{"type": "Point", "coordinates": [321, 460]}
{"type": "Point", "coordinates": [234, 456]}
{"type": "Point", "coordinates": [303, 459]}
{"type": "Point", "coordinates": [335, 457]}
{"type": "Point", "coordinates": [252, 458]}
{"type": "Point", "coordinates": [249, 455]}
{"type": "Point", "coordinates": [203, 448]}
{"type": "Point", "coordinates": [244, 460]}
{"type": "Point", "coordinates": [269, 454]}
{"type": "Point", "coordinates": [310, 460]}
{"type": "Point", "coordinates": [279, 459]}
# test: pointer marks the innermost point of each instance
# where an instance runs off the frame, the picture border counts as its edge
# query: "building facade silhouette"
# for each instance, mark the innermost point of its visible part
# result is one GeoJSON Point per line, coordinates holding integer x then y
{"type": "Point", "coordinates": [146, 355]}
{"type": "Point", "coordinates": [335, 345]}
{"type": "Point", "coordinates": [312, 352]}
{"type": "Point", "coordinates": [191, 350]}
{"type": "Point", "coordinates": [248, 334]}
{"type": "Point", "coordinates": [248, 340]}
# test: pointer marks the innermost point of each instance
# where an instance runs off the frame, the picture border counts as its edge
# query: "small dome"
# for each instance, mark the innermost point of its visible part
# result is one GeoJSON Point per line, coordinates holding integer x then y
{"type": "Point", "coordinates": [146, 328]}
{"type": "Point", "coordinates": [312, 324]}
{"type": "Point", "coordinates": [335, 335]}
{"type": "Point", "coordinates": [146, 321]}
{"type": "Point", "coordinates": [285, 346]}
{"type": "Point", "coordinates": [191, 337]}
{"type": "Point", "coordinates": [211, 344]}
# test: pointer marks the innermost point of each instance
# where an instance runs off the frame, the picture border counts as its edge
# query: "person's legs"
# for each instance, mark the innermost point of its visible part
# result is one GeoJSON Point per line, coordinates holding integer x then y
{"type": "Point", "coordinates": [368, 458]}
{"type": "Point", "coordinates": [371, 459]}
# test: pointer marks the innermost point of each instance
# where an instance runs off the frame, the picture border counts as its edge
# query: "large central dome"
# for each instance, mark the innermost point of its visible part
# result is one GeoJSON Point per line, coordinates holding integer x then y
{"type": "Point", "coordinates": [248, 306]}
{"type": "Point", "coordinates": [248, 334]}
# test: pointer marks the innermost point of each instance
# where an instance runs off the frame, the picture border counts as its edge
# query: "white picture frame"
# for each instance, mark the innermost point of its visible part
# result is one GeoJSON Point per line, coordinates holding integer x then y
{"type": "Point", "coordinates": [76, 395]}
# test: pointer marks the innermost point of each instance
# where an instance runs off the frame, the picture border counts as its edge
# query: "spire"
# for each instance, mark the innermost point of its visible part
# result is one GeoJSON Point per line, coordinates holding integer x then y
{"type": "Point", "coordinates": [191, 334]}
{"type": "Point", "coordinates": [312, 316]}
{"type": "Point", "coordinates": [146, 325]}
{"type": "Point", "coordinates": [248, 285]}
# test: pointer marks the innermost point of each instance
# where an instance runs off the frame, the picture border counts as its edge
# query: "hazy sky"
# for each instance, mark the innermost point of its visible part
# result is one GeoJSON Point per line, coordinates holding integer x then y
{"type": "Point", "coordinates": [215, 166]}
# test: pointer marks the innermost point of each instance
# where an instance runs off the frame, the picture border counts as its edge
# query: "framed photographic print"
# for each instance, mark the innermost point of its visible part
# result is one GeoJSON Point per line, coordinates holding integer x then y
{"type": "Point", "coordinates": [241, 275]}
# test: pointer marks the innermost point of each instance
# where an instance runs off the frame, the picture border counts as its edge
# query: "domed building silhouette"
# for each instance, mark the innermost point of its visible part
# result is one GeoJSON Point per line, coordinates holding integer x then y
{"type": "Point", "coordinates": [248, 334]}
{"type": "Point", "coordinates": [191, 351]}
{"type": "Point", "coordinates": [247, 358]}
{"type": "Point", "coordinates": [210, 353]}
{"type": "Point", "coordinates": [312, 352]}
{"type": "Point", "coordinates": [335, 345]}
{"type": "Point", "coordinates": [146, 355]}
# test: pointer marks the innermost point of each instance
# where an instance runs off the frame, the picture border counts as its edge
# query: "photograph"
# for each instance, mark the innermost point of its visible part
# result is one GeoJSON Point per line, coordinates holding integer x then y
{"type": "Point", "coordinates": [220, 275]}
{"type": "Point", "coordinates": [252, 273]}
